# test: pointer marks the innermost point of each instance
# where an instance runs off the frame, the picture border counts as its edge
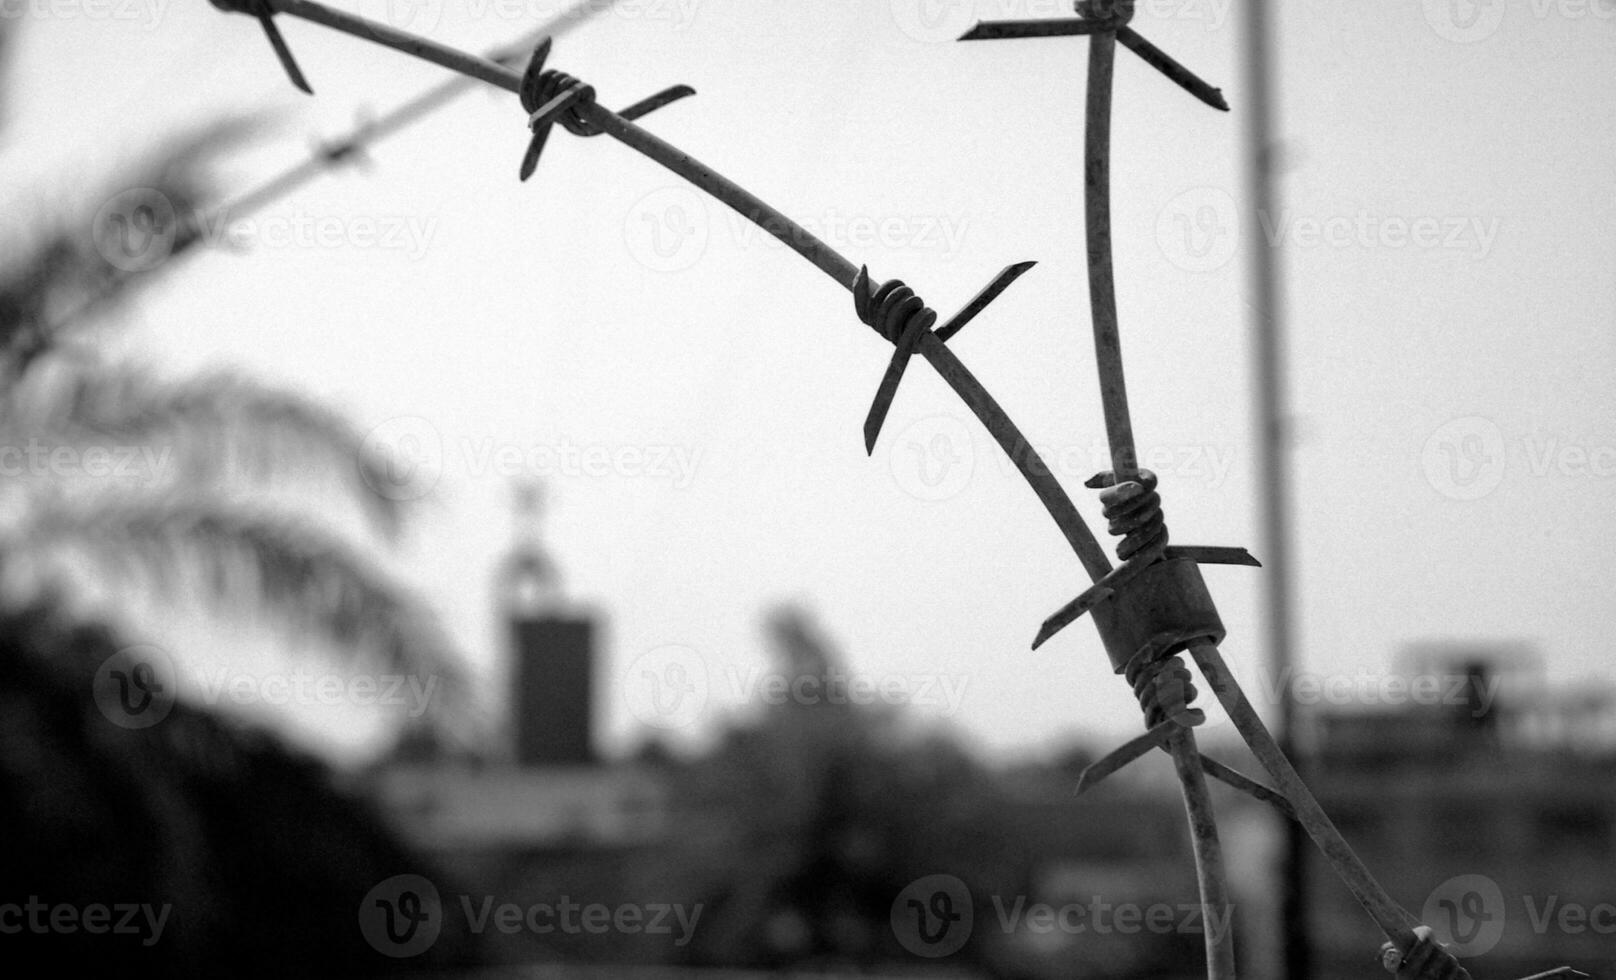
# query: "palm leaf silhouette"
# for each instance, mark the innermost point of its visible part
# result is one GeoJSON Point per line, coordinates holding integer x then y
{"type": "Point", "coordinates": [245, 560]}
{"type": "Point", "coordinates": [213, 423]}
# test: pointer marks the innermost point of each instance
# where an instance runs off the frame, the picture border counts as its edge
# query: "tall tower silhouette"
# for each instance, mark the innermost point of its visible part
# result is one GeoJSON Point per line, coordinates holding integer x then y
{"type": "Point", "coordinates": [552, 703]}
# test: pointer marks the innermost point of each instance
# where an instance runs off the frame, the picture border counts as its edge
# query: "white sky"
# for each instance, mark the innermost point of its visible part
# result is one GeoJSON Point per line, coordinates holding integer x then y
{"type": "Point", "coordinates": [1448, 232]}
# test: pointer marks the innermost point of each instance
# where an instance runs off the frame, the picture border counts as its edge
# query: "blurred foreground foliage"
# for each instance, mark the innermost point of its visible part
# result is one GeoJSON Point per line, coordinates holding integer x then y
{"type": "Point", "coordinates": [253, 854]}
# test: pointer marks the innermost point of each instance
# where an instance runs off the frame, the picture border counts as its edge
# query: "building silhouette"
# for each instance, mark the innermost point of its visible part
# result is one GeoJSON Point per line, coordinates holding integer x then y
{"type": "Point", "coordinates": [541, 814]}
{"type": "Point", "coordinates": [1486, 806]}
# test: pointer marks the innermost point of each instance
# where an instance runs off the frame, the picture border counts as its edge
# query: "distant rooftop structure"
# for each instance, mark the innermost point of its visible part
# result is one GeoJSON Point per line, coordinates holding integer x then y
{"type": "Point", "coordinates": [1450, 699]}
{"type": "Point", "coordinates": [548, 790]}
{"type": "Point", "coordinates": [1462, 761]}
{"type": "Point", "coordinates": [529, 581]}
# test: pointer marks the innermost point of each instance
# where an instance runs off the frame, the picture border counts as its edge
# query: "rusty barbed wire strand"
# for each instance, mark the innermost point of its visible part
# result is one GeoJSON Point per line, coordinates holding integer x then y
{"type": "Point", "coordinates": [1037, 474]}
{"type": "Point", "coordinates": [332, 154]}
{"type": "Point", "coordinates": [1132, 506]}
{"type": "Point", "coordinates": [908, 327]}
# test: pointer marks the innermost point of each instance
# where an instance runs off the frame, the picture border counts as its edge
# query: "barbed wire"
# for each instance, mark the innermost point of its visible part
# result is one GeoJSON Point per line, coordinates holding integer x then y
{"type": "Point", "coordinates": [1149, 610]}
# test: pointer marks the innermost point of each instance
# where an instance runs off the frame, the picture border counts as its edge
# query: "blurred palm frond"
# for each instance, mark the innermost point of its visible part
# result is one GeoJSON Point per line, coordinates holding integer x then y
{"type": "Point", "coordinates": [212, 422]}
{"type": "Point", "coordinates": [64, 275]}
{"type": "Point", "coordinates": [312, 582]}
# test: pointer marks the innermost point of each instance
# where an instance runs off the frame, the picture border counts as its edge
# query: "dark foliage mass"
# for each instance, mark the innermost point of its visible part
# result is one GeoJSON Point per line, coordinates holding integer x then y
{"type": "Point", "coordinates": [194, 846]}
{"type": "Point", "coordinates": [260, 862]}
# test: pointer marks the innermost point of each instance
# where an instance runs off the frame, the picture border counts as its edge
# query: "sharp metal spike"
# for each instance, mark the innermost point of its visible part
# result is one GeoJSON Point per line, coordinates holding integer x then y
{"type": "Point", "coordinates": [541, 52]}
{"type": "Point", "coordinates": [1164, 63]}
{"type": "Point", "coordinates": [646, 106]}
{"type": "Point", "coordinates": [1128, 752]}
{"type": "Point", "coordinates": [284, 53]}
{"type": "Point", "coordinates": [901, 353]}
{"type": "Point", "coordinates": [535, 146]}
{"type": "Point", "coordinates": [1244, 783]}
{"type": "Point", "coordinates": [979, 302]}
{"type": "Point", "coordinates": [1212, 554]}
{"type": "Point", "coordinates": [1072, 611]}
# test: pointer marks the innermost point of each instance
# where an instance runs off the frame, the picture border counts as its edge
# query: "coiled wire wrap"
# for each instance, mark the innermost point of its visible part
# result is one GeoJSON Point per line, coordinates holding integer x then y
{"type": "Point", "coordinates": [1134, 510]}
{"type": "Point", "coordinates": [540, 85]}
{"type": "Point", "coordinates": [1426, 959]}
{"type": "Point", "coordinates": [1163, 688]}
{"type": "Point", "coordinates": [892, 309]}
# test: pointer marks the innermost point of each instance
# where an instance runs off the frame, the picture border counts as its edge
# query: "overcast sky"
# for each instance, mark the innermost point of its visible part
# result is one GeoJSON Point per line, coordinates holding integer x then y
{"type": "Point", "coordinates": [694, 394]}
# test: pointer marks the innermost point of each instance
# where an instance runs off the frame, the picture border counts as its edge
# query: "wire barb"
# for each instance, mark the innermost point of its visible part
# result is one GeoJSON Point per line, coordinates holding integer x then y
{"type": "Point", "coordinates": [1164, 690]}
{"type": "Point", "coordinates": [1102, 17]}
{"type": "Point", "coordinates": [551, 97]}
{"type": "Point", "coordinates": [265, 12]}
{"type": "Point", "coordinates": [904, 319]}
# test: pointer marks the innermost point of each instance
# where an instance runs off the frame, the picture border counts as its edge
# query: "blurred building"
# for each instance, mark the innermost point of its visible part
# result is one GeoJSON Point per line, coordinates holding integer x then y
{"type": "Point", "coordinates": [1089, 857]}
{"type": "Point", "coordinates": [1479, 771]}
{"type": "Point", "coordinates": [543, 807]}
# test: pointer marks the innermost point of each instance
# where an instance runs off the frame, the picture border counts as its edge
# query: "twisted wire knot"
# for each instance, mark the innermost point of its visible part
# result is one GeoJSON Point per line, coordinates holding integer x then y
{"type": "Point", "coordinates": [1163, 688]}
{"type": "Point", "coordinates": [540, 85]}
{"type": "Point", "coordinates": [1119, 11]}
{"type": "Point", "coordinates": [1427, 959]}
{"type": "Point", "coordinates": [893, 310]}
{"type": "Point", "coordinates": [1134, 509]}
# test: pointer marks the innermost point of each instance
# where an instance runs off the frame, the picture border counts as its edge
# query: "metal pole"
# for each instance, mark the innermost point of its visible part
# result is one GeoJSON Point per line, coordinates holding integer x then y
{"type": "Point", "coordinates": [1273, 454]}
